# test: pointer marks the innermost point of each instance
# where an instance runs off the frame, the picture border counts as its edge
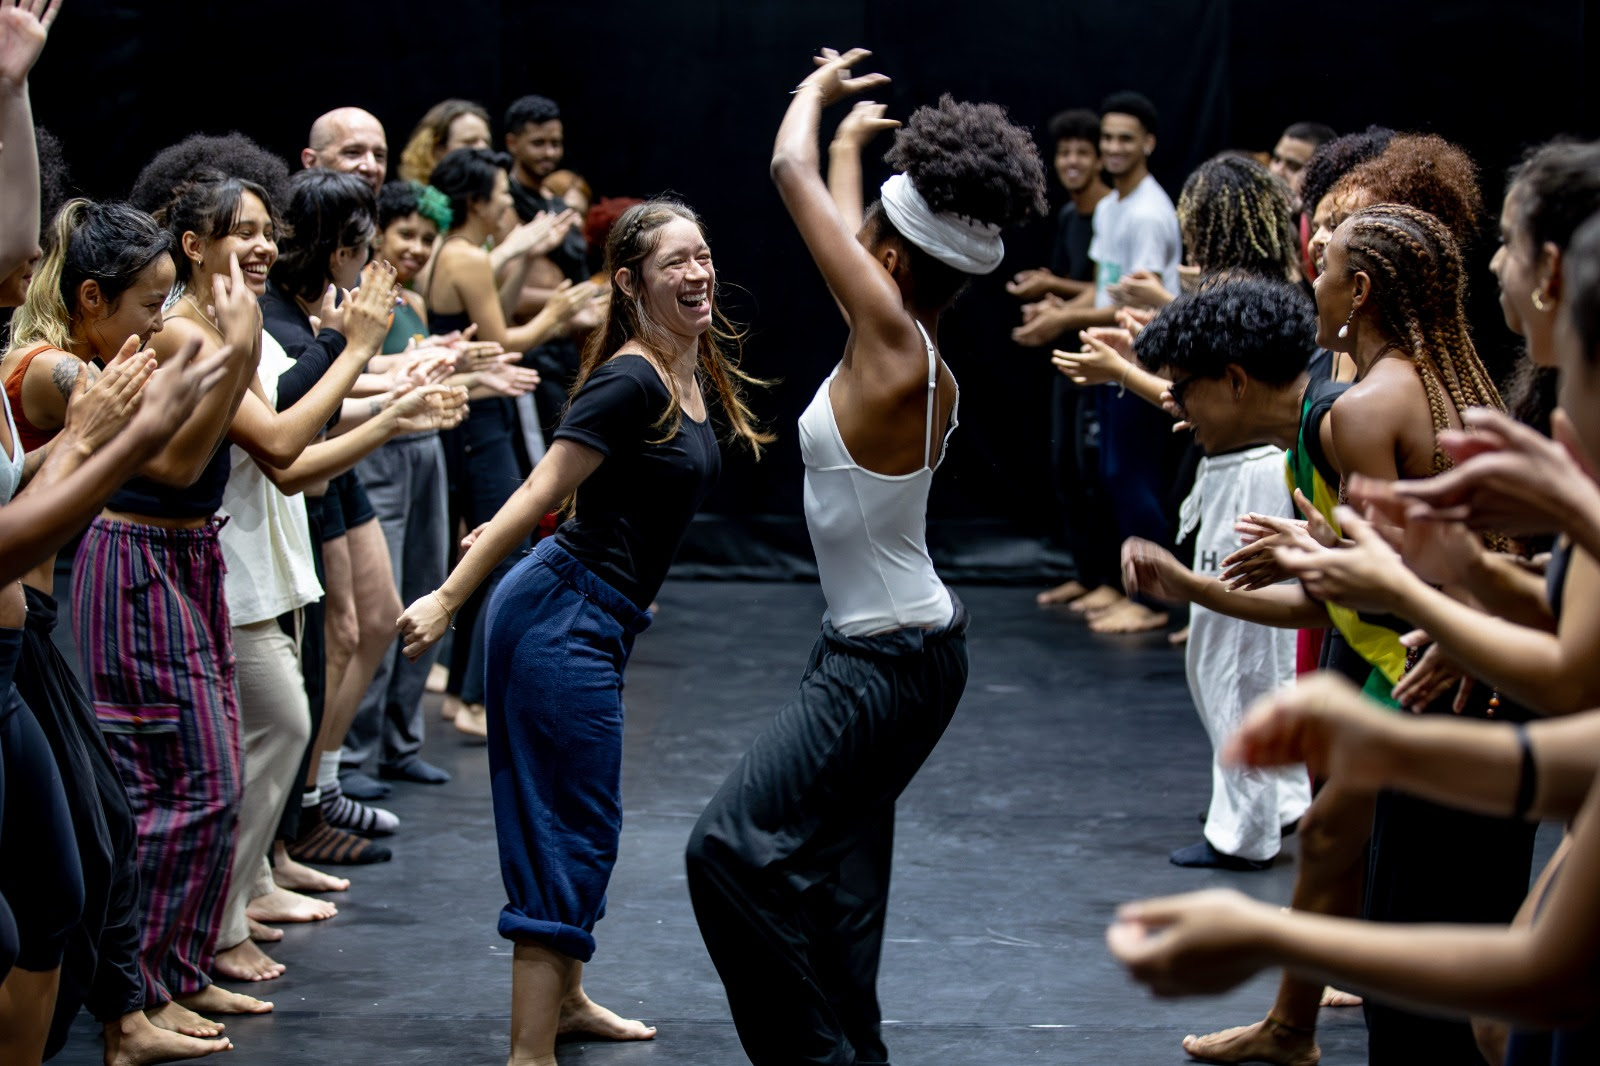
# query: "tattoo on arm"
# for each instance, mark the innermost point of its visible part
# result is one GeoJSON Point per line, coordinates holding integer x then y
{"type": "Point", "coordinates": [64, 375]}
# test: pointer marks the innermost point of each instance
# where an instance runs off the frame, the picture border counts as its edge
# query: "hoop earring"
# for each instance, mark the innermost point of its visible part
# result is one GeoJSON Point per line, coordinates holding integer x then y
{"type": "Point", "coordinates": [1538, 301]}
{"type": "Point", "coordinates": [1344, 330]}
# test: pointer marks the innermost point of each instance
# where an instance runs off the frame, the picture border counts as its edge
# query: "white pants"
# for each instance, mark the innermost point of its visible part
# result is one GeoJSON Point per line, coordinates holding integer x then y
{"type": "Point", "coordinates": [1231, 663]}
{"type": "Point", "coordinates": [275, 726]}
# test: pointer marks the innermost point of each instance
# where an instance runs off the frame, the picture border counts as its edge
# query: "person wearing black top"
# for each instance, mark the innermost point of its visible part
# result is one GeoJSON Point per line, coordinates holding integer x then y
{"type": "Point", "coordinates": [637, 455]}
{"type": "Point", "coordinates": [1074, 429]}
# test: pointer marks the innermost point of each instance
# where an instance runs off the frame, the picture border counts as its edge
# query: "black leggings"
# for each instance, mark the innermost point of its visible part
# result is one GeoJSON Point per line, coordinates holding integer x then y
{"type": "Point", "coordinates": [101, 967]}
{"type": "Point", "coordinates": [789, 864]}
{"type": "Point", "coordinates": [40, 880]}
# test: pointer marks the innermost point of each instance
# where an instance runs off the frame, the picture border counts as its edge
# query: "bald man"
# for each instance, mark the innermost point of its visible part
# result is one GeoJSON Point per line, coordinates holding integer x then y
{"type": "Point", "coordinates": [351, 140]}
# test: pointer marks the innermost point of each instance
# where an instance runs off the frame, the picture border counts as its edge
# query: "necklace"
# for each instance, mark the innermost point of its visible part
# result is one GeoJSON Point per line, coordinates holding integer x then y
{"type": "Point", "coordinates": [203, 316]}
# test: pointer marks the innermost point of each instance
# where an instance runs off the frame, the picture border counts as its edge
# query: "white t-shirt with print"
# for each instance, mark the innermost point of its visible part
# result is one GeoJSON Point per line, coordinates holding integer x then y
{"type": "Point", "coordinates": [1135, 232]}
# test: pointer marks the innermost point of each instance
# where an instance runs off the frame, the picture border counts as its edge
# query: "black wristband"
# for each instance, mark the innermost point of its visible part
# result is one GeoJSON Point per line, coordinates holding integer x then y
{"type": "Point", "coordinates": [1528, 784]}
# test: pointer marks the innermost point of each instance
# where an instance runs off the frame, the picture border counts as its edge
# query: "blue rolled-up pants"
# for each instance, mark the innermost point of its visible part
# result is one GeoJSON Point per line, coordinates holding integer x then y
{"type": "Point", "coordinates": [558, 639]}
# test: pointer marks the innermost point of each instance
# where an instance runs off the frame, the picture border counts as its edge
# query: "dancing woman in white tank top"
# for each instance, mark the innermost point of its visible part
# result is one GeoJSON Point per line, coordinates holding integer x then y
{"type": "Point", "coordinates": [789, 865]}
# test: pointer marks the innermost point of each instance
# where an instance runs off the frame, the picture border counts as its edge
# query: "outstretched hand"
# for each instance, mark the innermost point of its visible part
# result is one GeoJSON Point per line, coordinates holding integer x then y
{"type": "Point", "coordinates": [1200, 943]}
{"type": "Point", "coordinates": [24, 25]}
{"type": "Point", "coordinates": [832, 79]}
{"type": "Point", "coordinates": [99, 407]}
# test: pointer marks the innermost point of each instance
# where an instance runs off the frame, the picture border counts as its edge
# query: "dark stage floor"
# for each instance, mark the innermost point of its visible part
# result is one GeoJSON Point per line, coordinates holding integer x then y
{"type": "Point", "coordinates": [1074, 765]}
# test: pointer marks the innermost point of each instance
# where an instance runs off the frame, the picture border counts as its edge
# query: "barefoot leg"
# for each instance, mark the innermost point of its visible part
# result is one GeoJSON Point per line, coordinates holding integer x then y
{"type": "Point", "coordinates": [246, 962]}
{"type": "Point", "coordinates": [27, 1000]}
{"type": "Point", "coordinates": [1062, 594]}
{"type": "Point", "coordinates": [214, 1000]}
{"type": "Point", "coordinates": [283, 905]}
{"type": "Point", "coordinates": [1101, 598]}
{"type": "Point", "coordinates": [298, 877]}
{"type": "Point", "coordinates": [264, 934]}
{"type": "Point", "coordinates": [1127, 617]}
{"type": "Point", "coordinates": [176, 1018]}
{"type": "Point", "coordinates": [540, 979]}
{"type": "Point", "coordinates": [1334, 997]}
{"type": "Point", "coordinates": [580, 1014]}
{"type": "Point", "coordinates": [1334, 833]}
{"type": "Point", "coordinates": [133, 1040]}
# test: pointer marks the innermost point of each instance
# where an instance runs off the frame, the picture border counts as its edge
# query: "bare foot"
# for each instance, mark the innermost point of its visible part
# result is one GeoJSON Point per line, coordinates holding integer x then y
{"type": "Point", "coordinates": [264, 934]}
{"type": "Point", "coordinates": [472, 721]}
{"type": "Point", "coordinates": [1265, 1041]}
{"type": "Point", "coordinates": [133, 1040]}
{"type": "Point", "coordinates": [1064, 593]}
{"type": "Point", "coordinates": [298, 877]}
{"type": "Point", "coordinates": [176, 1018]}
{"type": "Point", "coordinates": [1180, 638]}
{"type": "Point", "coordinates": [1098, 600]}
{"type": "Point", "coordinates": [1128, 617]}
{"type": "Point", "coordinates": [438, 678]}
{"type": "Point", "coordinates": [450, 707]}
{"type": "Point", "coordinates": [283, 905]}
{"type": "Point", "coordinates": [246, 962]}
{"type": "Point", "coordinates": [214, 1000]}
{"type": "Point", "coordinates": [1333, 997]}
{"type": "Point", "coordinates": [580, 1014]}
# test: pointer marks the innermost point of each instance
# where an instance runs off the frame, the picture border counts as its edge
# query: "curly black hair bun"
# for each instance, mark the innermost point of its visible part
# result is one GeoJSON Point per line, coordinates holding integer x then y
{"type": "Point", "coordinates": [971, 159]}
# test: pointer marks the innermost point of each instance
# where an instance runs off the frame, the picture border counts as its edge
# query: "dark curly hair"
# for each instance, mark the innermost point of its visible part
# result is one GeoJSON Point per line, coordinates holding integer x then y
{"type": "Point", "coordinates": [1080, 124]}
{"type": "Point", "coordinates": [55, 180]}
{"type": "Point", "coordinates": [1131, 103]}
{"type": "Point", "coordinates": [1557, 187]}
{"type": "Point", "coordinates": [327, 210]}
{"type": "Point", "coordinates": [467, 176]}
{"type": "Point", "coordinates": [232, 154]}
{"type": "Point", "coordinates": [1267, 328]}
{"type": "Point", "coordinates": [1337, 158]}
{"type": "Point", "coordinates": [1235, 217]}
{"type": "Point", "coordinates": [970, 159]}
{"type": "Point", "coordinates": [530, 110]}
{"type": "Point", "coordinates": [1429, 173]}
{"type": "Point", "coordinates": [964, 159]}
{"type": "Point", "coordinates": [207, 204]}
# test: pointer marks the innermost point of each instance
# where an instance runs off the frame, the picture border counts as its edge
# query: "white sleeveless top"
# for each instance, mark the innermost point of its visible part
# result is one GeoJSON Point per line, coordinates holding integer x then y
{"type": "Point", "coordinates": [10, 465]}
{"type": "Point", "coordinates": [267, 540]}
{"type": "Point", "coordinates": [869, 530]}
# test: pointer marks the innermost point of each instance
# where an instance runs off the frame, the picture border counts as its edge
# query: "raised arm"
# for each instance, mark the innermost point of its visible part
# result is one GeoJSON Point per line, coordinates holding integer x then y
{"type": "Point", "coordinates": [864, 290]}
{"type": "Point", "coordinates": [473, 278]}
{"type": "Point", "coordinates": [278, 437]}
{"type": "Point", "coordinates": [564, 467]}
{"type": "Point", "coordinates": [24, 24]}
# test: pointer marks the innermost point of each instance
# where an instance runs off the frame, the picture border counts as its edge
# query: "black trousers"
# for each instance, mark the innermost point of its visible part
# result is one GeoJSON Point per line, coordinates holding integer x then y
{"type": "Point", "coordinates": [789, 865]}
{"type": "Point", "coordinates": [101, 968]}
{"type": "Point", "coordinates": [1436, 864]}
{"type": "Point", "coordinates": [1089, 522]}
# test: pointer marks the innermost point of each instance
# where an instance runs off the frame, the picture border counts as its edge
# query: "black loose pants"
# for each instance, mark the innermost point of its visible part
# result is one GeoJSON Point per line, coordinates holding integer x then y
{"type": "Point", "coordinates": [789, 865]}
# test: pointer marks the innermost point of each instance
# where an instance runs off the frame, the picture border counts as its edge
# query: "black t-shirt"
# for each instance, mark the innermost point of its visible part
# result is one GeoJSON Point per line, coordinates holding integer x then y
{"type": "Point", "coordinates": [573, 254]}
{"type": "Point", "coordinates": [313, 353]}
{"type": "Point", "coordinates": [633, 511]}
{"type": "Point", "coordinates": [1070, 256]}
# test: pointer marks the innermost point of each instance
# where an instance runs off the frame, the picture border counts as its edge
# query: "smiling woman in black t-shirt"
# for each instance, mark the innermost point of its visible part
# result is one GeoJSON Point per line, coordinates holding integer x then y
{"type": "Point", "coordinates": [637, 455]}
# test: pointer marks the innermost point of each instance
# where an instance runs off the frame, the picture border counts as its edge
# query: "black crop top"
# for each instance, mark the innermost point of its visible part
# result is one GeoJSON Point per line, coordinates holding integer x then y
{"type": "Point", "coordinates": [633, 511]}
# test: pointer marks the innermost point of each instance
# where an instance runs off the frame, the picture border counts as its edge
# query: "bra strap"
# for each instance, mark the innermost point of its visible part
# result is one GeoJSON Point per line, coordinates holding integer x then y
{"type": "Point", "coordinates": [933, 390]}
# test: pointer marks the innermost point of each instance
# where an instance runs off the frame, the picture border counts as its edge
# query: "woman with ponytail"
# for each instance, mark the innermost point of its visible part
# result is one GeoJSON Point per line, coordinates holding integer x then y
{"type": "Point", "coordinates": [636, 455]}
{"type": "Point", "coordinates": [789, 865]}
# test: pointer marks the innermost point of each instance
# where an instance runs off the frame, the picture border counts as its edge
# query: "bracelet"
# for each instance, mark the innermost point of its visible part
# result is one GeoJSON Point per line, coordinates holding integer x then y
{"type": "Point", "coordinates": [1528, 782]}
{"type": "Point", "coordinates": [447, 611]}
{"type": "Point", "coordinates": [1122, 386]}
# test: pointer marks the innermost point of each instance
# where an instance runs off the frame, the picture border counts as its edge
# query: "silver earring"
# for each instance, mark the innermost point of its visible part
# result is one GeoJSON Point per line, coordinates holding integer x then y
{"type": "Point", "coordinates": [1344, 330]}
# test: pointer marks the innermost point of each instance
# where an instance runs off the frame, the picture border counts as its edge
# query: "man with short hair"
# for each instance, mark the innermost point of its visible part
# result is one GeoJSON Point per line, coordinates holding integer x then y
{"type": "Point", "coordinates": [536, 141]}
{"type": "Point", "coordinates": [1294, 150]}
{"type": "Point", "coordinates": [351, 140]}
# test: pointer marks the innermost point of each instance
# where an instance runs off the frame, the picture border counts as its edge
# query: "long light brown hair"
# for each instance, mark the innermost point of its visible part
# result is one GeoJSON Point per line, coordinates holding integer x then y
{"type": "Point", "coordinates": [628, 318]}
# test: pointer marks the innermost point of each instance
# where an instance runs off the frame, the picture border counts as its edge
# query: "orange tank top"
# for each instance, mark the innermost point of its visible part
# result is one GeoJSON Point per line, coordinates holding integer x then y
{"type": "Point", "coordinates": [31, 436]}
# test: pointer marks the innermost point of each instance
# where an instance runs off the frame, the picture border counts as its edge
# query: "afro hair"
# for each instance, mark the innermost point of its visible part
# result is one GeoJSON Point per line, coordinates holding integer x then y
{"type": "Point", "coordinates": [970, 159]}
{"type": "Point", "coordinates": [233, 155]}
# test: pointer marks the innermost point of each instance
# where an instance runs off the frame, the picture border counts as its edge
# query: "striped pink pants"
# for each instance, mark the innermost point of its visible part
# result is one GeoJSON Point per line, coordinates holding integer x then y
{"type": "Point", "coordinates": [153, 634]}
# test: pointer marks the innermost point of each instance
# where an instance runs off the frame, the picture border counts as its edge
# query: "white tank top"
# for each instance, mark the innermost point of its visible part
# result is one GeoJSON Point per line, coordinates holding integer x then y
{"type": "Point", "coordinates": [869, 530]}
{"type": "Point", "coordinates": [10, 465]}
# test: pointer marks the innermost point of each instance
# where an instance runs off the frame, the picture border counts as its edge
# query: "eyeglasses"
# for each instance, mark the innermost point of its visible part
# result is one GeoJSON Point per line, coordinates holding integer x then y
{"type": "Point", "coordinates": [1178, 388]}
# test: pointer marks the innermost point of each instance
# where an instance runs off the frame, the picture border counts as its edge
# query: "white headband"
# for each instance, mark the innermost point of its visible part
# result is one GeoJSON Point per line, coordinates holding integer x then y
{"type": "Point", "coordinates": [970, 246]}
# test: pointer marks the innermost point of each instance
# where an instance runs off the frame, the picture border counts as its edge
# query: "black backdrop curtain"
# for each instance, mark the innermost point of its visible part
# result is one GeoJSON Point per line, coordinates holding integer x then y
{"type": "Point", "coordinates": [686, 97]}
